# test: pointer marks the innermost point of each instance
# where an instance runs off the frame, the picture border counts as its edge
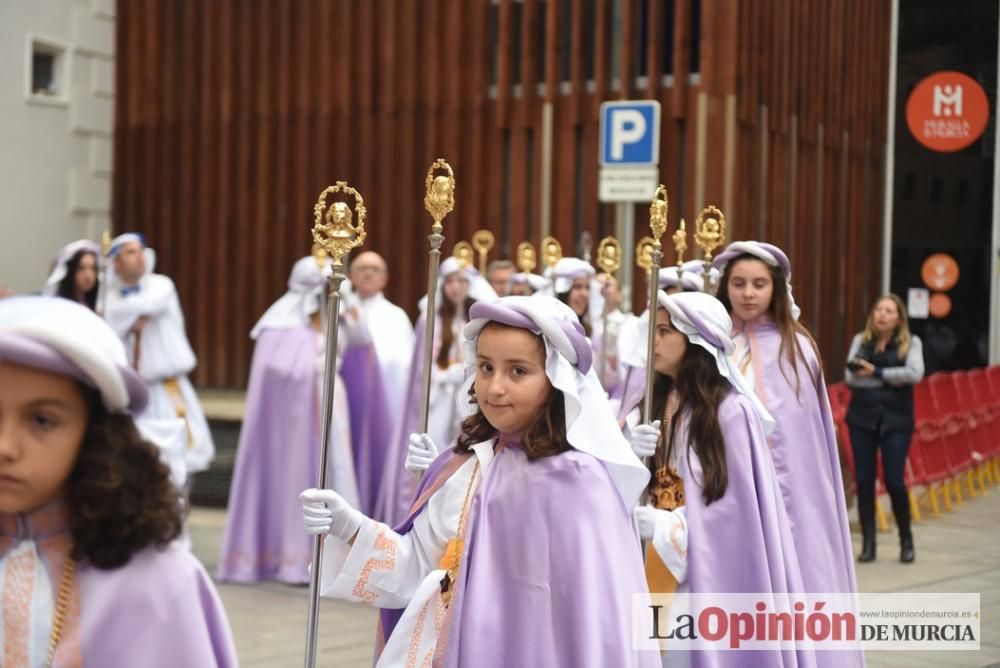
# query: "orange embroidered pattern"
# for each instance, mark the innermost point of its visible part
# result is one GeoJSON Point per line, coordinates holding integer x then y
{"type": "Point", "coordinates": [382, 542]}
{"type": "Point", "coordinates": [18, 589]}
{"type": "Point", "coordinates": [418, 631]}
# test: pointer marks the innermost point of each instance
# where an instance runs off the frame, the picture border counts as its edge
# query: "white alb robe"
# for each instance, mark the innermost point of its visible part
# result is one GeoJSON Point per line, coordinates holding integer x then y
{"type": "Point", "coordinates": [165, 358]}
{"type": "Point", "coordinates": [387, 570]}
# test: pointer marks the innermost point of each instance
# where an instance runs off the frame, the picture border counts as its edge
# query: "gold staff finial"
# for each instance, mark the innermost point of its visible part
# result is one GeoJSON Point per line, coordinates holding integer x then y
{"type": "Point", "coordinates": [333, 229]}
{"type": "Point", "coordinates": [644, 254]}
{"type": "Point", "coordinates": [440, 198]}
{"type": "Point", "coordinates": [551, 251]}
{"type": "Point", "coordinates": [710, 230]}
{"type": "Point", "coordinates": [709, 234]}
{"type": "Point", "coordinates": [482, 241]}
{"type": "Point", "coordinates": [527, 259]}
{"type": "Point", "coordinates": [609, 255]}
{"type": "Point", "coordinates": [463, 253]}
{"type": "Point", "coordinates": [680, 245]}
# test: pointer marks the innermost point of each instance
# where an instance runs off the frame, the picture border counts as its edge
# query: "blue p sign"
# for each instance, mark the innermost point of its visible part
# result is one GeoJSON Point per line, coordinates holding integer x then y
{"type": "Point", "coordinates": [630, 133]}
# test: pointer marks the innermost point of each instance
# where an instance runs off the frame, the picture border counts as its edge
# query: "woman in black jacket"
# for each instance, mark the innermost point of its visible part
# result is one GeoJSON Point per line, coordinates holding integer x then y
{"type": "Point", "coordinates": [884, 364]}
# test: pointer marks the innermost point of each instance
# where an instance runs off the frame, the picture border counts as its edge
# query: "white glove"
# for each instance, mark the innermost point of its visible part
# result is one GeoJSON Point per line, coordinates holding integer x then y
{"type": "Point", "coordinates": [646, 518]}
{"type": "Point", "coordinates": [421, 453]}
{"type": "Point", "coordinates": [643, 439]}
{"type": "Point", "coordinates": [325, 511]}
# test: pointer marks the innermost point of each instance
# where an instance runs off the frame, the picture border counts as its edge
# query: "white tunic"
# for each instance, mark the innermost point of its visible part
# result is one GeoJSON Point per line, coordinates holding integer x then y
{"type": "Point", "coordinates": [392, 334]}
{"type": "Point", "coordinates": [165, 358]}
{"type": "Point", "coordinates": [387, 570]}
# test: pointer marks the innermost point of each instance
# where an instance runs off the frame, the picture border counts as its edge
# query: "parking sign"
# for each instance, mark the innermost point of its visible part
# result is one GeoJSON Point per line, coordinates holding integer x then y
{"type": "Point", "coordinates": [630, 133]}
{"type": "Point", "coordinates": [630, 151]}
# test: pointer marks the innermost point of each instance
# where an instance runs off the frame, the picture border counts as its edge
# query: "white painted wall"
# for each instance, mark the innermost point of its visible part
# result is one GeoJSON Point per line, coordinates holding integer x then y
{"type": "Point", "coordinates": [55, 156]}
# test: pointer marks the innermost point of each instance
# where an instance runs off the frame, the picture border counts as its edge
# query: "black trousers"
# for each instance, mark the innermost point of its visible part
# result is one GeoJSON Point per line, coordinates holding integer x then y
{"type": "Point", "coordinates": [894, 445]}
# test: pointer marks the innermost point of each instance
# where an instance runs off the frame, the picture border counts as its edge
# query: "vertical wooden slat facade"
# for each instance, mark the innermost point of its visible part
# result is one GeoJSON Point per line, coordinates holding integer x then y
{"type": "Point", "coordinates": [232, 115]}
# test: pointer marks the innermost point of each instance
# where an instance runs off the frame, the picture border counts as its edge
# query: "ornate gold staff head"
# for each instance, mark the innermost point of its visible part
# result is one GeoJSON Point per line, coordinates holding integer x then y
{"type": "Point", "coordinates": [551, 251]}
{"type": "Point", "coordinates": [463, 253]}
{"type": "Point", "coordinates": [105, 243]}
{"type": "Point", "coordinates": [482, 241]}
{"type": "Point", "coordinates": [658, 215]}
{"type": "Point", "coordinates": [527, 259]}
{"type": "Point", "coordinates": [333, 230]}
{"type": "Point", "coordinates": [609, 255]}
{"type": "Point", "coordinates": [710, 230]}
{"type": "Point", "coordinates": [644, 254]}
{"type": "Point", "coordinates": [440, 198]}
{"type": "Point", "coordinates": [680, 243]}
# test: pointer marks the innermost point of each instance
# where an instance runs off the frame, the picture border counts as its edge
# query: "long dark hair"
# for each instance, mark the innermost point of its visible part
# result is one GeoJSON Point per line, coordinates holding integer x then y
{"type": "Point", "coordinates": [700, 390]}
{"type": "Point", "coordinates": [67, 286]}
{"type": "Point", "coordinates": [780, 310]}
{"type": "Point", "coordinates": [447, 313]}
{"type": "Point", "coordinates": [119, 493]}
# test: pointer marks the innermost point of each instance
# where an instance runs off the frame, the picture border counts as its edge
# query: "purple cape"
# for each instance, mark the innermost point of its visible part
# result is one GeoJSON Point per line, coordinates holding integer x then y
{"type": "Point", "coordinates": [550, 568]}
{"type": "Point", "coordinates": [277, 458]}
{"type": "Point", "coordinates": [807, 463]}
{"type": "Point", "coordinates": [545, 583]}
{"type": "Point", "coordinates": [158, 611]}
{"type": "Point", "coordinates": [740, 543]}
{"type": "Point", "coordinates": [804, 449]}
{"type": "Point", "coordinates": [371, 425]}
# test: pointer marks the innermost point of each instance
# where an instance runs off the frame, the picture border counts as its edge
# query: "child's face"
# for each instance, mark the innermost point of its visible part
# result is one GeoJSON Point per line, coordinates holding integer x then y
{"type": "Point", "coordinates": [511, 386]}
{"type": "Point", "coordinates": [579, 296]}
{"type": "Point", "coordinates": [43, 417]}
{"type": "Point", "coordinates": [669, 347]}
{"type": "Point", "coordinates": [456, 288]}
{"type": "Point", "coordinates": [750, 288]}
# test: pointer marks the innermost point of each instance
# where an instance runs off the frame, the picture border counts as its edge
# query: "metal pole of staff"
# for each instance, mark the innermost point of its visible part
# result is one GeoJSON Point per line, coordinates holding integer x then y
{"type": "Point", "coordinates": [439, 202]}
{"type": "Point", "coordinates": [657, 226]}
{"type": "Point", "coordinates": [334, 232]}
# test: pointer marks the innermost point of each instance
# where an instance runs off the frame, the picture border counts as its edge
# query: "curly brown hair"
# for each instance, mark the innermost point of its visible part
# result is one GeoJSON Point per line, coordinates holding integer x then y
{"type": "Point", "coordinates": [119, 493]}
{"type": "Point", "coordinates": [546, 437]}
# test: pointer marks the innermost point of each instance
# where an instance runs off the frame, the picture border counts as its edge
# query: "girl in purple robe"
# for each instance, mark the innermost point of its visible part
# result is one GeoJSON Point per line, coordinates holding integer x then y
{"type": "Point", "coordinates": [779, 358]}
{"type": "Point", "coordinates": [714, 520]}
{"type": "Point", "coordinates": [519, 549]}
{"type": "Point", "coordinates": [90, 571]}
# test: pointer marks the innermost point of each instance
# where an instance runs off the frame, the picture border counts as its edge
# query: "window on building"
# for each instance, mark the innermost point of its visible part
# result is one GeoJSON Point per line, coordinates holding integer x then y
{"type": "Point", "coordinates": [46, 79]}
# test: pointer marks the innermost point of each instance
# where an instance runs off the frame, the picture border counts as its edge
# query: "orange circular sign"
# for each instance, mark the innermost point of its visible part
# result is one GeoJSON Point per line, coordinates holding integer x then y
{"type": "Point", "coordinates": [947, 111]}
{"type": "Point", "coordinates": [939, 305]}
{"type": "Point", "coordinates": [940, 272]}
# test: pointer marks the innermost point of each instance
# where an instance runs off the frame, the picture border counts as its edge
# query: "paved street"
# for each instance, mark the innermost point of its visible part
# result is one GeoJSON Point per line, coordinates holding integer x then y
{"type": "Point", "coordinates": [959, 552]}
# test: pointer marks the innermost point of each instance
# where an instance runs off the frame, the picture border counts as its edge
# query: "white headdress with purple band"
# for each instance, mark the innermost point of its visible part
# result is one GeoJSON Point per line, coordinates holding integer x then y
{"type": "Point", "coordinates": [765, 252]}
{"type": "Point", "coordinates": [61, 336]}
{"type": "Point", "coordinates": [590, 424]}
{"type": "Point", "coordinates": [703, 320]}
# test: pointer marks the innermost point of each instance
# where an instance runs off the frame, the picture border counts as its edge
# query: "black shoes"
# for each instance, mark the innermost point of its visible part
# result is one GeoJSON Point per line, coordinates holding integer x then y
{"type": "Point", "coordinates": [906, 553]}
{"type": "Point", "coordinates": [867, 549]}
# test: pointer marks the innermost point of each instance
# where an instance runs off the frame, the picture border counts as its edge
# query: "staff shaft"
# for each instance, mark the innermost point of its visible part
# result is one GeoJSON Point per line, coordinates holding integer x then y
{"type": "Point", "coordinates": [329, 376]}
{"type": "Point", "coordinates": [647, 403]}
{"type": "Point", "coordinates": [436, 239]}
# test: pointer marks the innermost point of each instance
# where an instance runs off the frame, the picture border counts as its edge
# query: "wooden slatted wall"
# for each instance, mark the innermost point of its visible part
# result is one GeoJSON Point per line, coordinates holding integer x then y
{"type": "Point", "coordinates": [232, 115]}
